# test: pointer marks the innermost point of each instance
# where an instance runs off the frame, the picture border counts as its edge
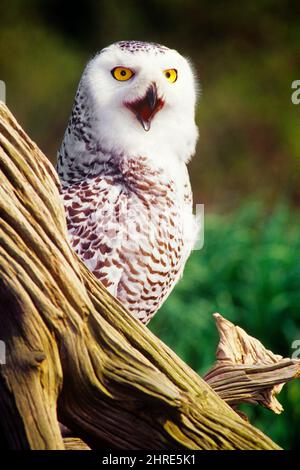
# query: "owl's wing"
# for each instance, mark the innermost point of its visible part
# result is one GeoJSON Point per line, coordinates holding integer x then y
{"type": "Point", "coordinates": [92, 210]}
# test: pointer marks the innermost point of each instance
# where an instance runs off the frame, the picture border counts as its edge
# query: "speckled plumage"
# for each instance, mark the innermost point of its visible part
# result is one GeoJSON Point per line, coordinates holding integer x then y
{"type": "Point", "coordinates": [126, 192]}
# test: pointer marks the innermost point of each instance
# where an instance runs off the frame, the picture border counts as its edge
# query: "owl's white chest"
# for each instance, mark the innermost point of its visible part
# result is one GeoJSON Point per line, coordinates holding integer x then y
{"type": "Point", "coordinates": [131, 225]}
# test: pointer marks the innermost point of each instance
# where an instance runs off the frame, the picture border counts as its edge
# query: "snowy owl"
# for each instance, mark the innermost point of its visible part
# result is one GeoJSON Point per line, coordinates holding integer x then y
{"type": "Point", "coordinates": [122, 166]}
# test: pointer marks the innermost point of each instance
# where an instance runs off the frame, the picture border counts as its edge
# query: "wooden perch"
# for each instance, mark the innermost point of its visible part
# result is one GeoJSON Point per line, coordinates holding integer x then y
{"type": "Point", "coordinates": [246, 371]}
{"type": "Point", "coordinates": [73, 353]}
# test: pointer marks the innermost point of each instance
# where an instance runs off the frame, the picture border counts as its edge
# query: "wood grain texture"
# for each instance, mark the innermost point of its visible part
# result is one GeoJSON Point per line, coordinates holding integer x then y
{"type": "Point", "coordinates": [73, 353]}
{"type": "Point", "coordinates": [245, 371]}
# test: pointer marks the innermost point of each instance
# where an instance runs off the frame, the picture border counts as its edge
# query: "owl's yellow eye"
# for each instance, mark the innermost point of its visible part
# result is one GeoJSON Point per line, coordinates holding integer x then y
{"type": "Point", "coordinates": [122, 73]}
{"type": "Point", "coordinates": [171, 75]}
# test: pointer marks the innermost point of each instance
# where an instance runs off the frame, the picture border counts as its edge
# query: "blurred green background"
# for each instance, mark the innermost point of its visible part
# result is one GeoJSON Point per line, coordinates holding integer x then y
{"type": "Point", "coordinates": [246, 170]}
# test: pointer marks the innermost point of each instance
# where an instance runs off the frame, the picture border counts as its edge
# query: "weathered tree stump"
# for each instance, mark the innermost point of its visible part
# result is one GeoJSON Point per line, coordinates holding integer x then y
{"type": "Point", "coordinates": [73, 354]}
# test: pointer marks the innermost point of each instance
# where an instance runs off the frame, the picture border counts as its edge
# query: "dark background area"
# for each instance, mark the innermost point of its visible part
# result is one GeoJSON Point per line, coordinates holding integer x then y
{"type": "Point", "coordinates": [246, 170]}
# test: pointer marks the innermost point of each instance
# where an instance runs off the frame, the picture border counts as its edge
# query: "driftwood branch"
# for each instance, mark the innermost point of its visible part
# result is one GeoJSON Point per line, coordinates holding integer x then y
{"type": "Point", "coordinates": [73, 354]}
{"type": "Point", "coordinates": [246, 371]}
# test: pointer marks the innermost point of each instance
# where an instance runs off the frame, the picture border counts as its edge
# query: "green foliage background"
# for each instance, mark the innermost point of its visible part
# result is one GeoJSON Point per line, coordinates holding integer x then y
{"type": "Point", "coordinates": [248, 271]}
{"type": "Point", "coordinates": [246, 170]}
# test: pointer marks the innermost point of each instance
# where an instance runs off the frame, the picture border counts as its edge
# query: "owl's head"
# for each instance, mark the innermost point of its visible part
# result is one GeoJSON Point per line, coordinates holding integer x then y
{"type": "Point", "coordinates": [142, 96]}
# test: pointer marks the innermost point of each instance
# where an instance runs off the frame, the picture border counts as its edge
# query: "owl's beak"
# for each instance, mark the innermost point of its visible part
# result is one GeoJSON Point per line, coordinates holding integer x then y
{"type": "Point", "coordinates": [145, 108]}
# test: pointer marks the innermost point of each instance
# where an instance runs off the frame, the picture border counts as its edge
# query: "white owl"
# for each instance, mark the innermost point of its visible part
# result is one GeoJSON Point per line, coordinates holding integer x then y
{"type": "Point", "coordinates": [122, 166]}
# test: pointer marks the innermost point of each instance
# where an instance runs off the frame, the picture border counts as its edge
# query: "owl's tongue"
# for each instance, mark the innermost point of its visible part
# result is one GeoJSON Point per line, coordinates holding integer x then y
{"type": "Point", "coordinates": [146, 108]}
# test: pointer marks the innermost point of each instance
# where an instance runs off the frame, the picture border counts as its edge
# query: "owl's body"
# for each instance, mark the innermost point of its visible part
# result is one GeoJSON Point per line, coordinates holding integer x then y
{"type": "Point", "coordinates": [122, 166]}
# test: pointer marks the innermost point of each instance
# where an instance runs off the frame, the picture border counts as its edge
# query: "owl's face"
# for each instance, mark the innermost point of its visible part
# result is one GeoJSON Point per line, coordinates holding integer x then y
{"type": "Point", "coordinates": [142, 93]}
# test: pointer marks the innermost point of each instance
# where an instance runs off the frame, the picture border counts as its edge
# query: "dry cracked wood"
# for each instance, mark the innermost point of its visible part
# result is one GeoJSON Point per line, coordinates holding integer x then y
{"type": "Point", "coordinates": [73, 352]}
{"type": "Point", "coordinates": [246, 371]}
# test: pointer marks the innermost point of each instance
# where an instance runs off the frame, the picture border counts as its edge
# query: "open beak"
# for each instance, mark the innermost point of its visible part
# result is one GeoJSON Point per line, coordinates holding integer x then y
{"type": "Point", "coordinates": [145, 108]}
